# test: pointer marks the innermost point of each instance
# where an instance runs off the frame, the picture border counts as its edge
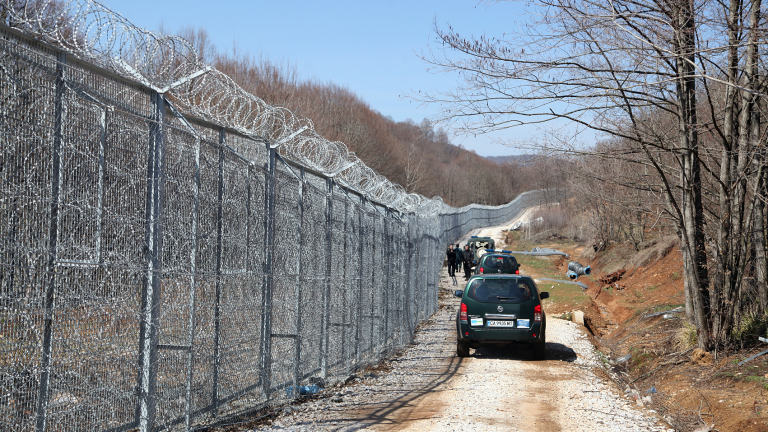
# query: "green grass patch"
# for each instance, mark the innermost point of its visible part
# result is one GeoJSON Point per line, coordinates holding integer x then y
{"type": "Point", "coordinates": [603, 359]}
{"type": "Point", "coordinates": [756, 379]}
{"type": "Point", "coordinates": [545, 267]}
{"type": "Point", "coordinates": [538, 266]}
{"type": "Point", "coordinates": [751, 326]}
{"type": "Point", "coordinates": [565, 294]}
{"type": "Point", "coordinates": [755, 371]}
{"type": "Point", "coordinates": [665, 307]}
{"type": "Point", "coordinates": [640, 359]}
{"type": "Point", "coordinates": [560, 293]}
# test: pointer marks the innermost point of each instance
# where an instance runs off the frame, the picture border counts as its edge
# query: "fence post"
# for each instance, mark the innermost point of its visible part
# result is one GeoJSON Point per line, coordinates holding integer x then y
{"type": "Point", "coordinates": [418, 251]}
{"type": "Point", "coordinates": [266, 294]}
{"type": "Point", "coordinates": [417, 275]}
{"type": "Point", "coordinates": [425, 264]}
{"type": "Point", "coordinates": [373, 283]}
{"type": "Point", "coordinates": [438, 266]}
{"type": "Point", "coordinates": [433, 273]}
{"type": "Point", "coordinates": [345, 316]}
{"type": "Point", "coordinates": [408, 276]}
{"type": "Point", "coordinates": [193, 288]}
{"type": "Point", "coordinates": [386, 264]}
{"type": "Point", "coordinates": [150, 296]}
{"type": "Point", "coordinates": [325, 338]}
{"type": "Point", "coordinates": [360, 279]}
{"type": "Point", "coordinates": [53, 236]}
{"type": "Point", "coordinates": [297, 293]}
{"type": "Point", "coordinates": [405, 282]}
{"type": "Point", "coordinates": [217, 298]}
{"type": "Point", "coordinates": [397, 319]}
{"type": "Point", "coordinates": [430, 278]}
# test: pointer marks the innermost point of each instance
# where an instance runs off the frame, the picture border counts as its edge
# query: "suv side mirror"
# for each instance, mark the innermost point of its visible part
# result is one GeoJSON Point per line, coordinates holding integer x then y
{"type": "Point", "coordinates": [459, 293]}
{"type": "Point", "coordinates": [544, 295]}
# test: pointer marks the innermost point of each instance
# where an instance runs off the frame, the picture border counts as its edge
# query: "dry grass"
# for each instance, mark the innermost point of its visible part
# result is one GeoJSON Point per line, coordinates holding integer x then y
{"type": "Point", "coordinates": [685, 337]}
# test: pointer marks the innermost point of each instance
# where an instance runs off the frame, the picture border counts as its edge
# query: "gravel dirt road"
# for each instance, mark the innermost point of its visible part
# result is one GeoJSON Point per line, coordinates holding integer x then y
{"type": "Point", "coordinates": [428, 388]}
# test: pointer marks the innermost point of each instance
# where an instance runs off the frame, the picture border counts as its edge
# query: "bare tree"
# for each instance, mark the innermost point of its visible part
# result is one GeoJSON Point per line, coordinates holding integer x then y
{"type": "Point", "coordinates": [640, 71]}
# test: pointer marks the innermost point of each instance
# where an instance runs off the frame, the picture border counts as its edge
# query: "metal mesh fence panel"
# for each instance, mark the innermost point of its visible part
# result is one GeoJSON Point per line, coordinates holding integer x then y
{"type": "Point", "coordinates": [159, 270]}
{"type": "Point", "coordinates": [311, 287]}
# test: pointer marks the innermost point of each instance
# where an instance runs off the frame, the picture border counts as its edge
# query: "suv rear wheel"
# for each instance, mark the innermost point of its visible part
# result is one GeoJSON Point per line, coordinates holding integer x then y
{"type": "Point", "coordinates": [462, 349]}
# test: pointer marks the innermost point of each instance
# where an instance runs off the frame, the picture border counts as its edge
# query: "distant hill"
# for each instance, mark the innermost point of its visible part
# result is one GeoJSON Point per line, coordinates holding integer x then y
{"type": "Point", "coordinates": [417, 156]}
{"type": "Point", "coordinates": [516, 159]}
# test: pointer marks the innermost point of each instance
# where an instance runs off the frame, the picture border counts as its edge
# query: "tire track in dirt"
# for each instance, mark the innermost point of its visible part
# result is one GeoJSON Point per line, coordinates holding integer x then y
{"type": "Point", "coordinates": [495, 390]}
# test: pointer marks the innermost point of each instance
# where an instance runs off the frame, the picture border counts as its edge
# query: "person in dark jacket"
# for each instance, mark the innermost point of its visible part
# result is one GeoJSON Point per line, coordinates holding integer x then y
{"type": "Point", "coordinates": [467, 258]}
{"type": "Point", "coordinates": [459, 258]}
{"type": "Point", "coordinates": [451, 255]}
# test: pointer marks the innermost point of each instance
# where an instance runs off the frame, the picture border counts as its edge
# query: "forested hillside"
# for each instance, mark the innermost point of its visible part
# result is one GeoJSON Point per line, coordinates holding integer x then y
{"type": "Point", "coordinates": [417, 156]}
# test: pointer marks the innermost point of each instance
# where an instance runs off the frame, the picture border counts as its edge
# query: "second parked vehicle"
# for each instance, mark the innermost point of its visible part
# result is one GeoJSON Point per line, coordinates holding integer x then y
{"type": "Point", "coordinates": [497, 262]}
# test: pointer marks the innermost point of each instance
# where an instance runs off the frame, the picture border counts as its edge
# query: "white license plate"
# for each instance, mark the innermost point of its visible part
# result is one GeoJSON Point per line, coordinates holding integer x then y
{"type": "Point", "coordinates": [506, 323]}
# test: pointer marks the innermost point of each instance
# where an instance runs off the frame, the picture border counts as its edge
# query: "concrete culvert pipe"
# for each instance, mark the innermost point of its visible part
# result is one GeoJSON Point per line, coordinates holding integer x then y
{"type": "Point", "coordinates": [578, 269]}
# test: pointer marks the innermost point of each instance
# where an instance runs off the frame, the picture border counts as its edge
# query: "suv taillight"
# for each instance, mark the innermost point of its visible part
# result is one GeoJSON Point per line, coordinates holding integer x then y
{"type": "Point", "coordinates": [482, 270]}
{"type": "Point", "coordinates": [537, 313]}
{"type": "Point", "coordinates": [463, 312]}
{"type": "Point", "coordinates": [517, 271]}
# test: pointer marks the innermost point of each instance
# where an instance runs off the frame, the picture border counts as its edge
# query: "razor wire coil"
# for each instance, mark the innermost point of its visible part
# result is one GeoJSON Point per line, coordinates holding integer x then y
{"type": "Point", "coordinates": [170, 65]}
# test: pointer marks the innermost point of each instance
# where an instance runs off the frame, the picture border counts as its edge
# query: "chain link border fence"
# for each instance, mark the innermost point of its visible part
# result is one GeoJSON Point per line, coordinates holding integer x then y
{"type": "Point", "coordinates": [162, 269]}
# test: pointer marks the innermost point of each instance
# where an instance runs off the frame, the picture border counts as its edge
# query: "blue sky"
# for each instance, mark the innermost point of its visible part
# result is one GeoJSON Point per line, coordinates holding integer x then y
{"type": "Point", "coordinates": [368, 47]}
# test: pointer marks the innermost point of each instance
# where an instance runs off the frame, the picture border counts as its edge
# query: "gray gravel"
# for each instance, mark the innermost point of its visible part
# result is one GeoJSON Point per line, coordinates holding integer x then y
{"type": "Point", "coordinates": [428, 388]}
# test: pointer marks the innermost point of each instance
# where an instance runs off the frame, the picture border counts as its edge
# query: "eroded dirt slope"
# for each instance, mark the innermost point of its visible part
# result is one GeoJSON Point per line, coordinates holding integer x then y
{"type": "Point", "coordinates": [708, 391]}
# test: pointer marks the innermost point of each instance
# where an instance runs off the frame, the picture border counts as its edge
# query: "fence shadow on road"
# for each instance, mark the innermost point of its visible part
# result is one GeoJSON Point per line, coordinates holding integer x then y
{"type": "Point", "coordinates": [404, 406]}
{"type": "Point", "coordinates": [555, 351]}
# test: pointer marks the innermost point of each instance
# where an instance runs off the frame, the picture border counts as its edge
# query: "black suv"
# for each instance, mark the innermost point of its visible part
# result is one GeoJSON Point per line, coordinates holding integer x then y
{"type": "Point", "coordinates": [501, 309]}
{"type": "Point", "coordinates": [497, 262]}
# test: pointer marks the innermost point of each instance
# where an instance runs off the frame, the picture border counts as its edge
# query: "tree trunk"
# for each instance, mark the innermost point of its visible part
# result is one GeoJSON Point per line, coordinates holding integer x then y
{"type": "Point", "coordinates": [723, 262]}
{"type": "Point", "coordinates": [761, 257]}
{"type": "Point", "coordinates": [694, 251]}
{"type": "Point", "coordinates": [761, 261]}
{"type": "Point", "coordinates": [738, 243]}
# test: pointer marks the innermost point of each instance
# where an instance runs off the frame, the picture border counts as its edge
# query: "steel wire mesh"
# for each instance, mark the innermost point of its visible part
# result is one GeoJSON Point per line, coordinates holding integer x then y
{"type": "Point", "coordinates": [161, 270]}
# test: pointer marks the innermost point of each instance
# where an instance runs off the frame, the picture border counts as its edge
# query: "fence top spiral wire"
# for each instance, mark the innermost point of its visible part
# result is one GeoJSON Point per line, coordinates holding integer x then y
{"type": "Point", "coordinates": [170, 65]}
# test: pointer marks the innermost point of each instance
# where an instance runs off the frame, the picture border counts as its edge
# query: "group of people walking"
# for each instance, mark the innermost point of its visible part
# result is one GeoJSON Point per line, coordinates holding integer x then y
{"type": "Point", "coordinates": [455, 256]}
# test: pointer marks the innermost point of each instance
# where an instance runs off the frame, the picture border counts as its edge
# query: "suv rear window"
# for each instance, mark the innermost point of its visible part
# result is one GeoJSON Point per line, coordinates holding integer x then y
{"type": "Point", "coordinates": [499, 262]}
{"type": "Point", "coordinates": [500, 290]}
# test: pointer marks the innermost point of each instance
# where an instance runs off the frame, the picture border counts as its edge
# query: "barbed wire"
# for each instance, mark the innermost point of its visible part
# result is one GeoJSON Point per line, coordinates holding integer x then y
{"type": "Point", "coordinates": [170, 64]}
